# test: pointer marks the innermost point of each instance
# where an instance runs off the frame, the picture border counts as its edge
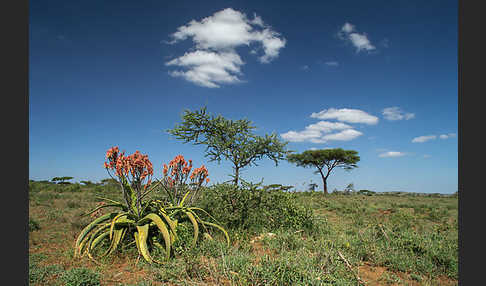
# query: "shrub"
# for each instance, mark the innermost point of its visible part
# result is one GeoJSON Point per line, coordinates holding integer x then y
{"type": "Point", "coordinates": [81, 277]}
{"type": "Point", "coordinates": [366, 192]}
{"type": "Point", "coordinates": [253, 207]}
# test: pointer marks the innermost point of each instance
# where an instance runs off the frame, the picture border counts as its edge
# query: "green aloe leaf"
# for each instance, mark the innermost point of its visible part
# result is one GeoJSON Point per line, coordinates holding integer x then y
{"type": "Point", "coordinates": [142, 242]}
{"type": "Point", "coordinates": [163, 230]}
{"type": "Point", "coordinates": [90, 227]}
{"type": "Point", "coordinates": [195, 226]}
{"type": "Point", "coordinates": [220, 228]}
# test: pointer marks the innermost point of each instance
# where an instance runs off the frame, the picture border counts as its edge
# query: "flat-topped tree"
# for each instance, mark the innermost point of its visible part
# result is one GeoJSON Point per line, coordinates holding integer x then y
{"type": "Point", "coordinates": [62, 180]}
{"type": "Point", "coordinates": [329, 158]}
{"type": "Point", "coordinates": [228, 139]}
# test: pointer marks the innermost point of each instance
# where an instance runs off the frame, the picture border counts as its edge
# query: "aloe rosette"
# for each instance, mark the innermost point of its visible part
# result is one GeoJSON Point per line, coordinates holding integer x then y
{"type": "Point", "coordinates": [148, 222]}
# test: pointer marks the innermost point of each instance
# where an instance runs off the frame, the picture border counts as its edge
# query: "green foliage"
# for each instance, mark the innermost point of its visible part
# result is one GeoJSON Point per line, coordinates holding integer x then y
{"type": "Point", "coordinates": [72, 204]}
{"type": "Point", "coordinates": [109, 181]}
{"type": "Point", "coordinates": [39, 274]}
{"type": "Point", "coordinates": [81, 277]}
{"type": "Point", "coordinates": [370, 231]}
{"type": "Point", "coordinates": [146, 221]}
{"type": "Point", "coordinates": [62, 180]}
{"type": "Point", "coordinates": [87, 183]}
{"type": "Point", "coordinates": [329, 158]}
{"type": "Point", "coordinates": [366, 192]}
{"type": "Point", "coordinates": [252, 207]}
{"type": "Point", "coordinates": [228, 139]}
{"type": "Point", "coordinates": [33, 225]}
{"type": "Point", "coordinates": [312, 187]}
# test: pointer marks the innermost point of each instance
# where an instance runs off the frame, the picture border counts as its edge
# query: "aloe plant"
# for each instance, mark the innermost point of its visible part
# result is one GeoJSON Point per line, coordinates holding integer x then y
{"type": "Point", "coordinates": [143, 220]}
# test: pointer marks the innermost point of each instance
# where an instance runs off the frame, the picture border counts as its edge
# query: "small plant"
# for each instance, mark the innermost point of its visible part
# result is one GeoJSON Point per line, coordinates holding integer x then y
{"type": "Point", "coordinates": [33, 225]}
{"type": "Point", "coordinates": [146, 221]}
{"type": "Point", "coordinates": [81, 277]}
{"type": "Point", "coordinates": [312, 187]}
{"type": "Point", "coordinates": [73, 204]}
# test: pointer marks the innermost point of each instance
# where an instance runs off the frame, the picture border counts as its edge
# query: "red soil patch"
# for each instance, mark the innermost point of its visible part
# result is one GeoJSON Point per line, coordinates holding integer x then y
{"type": "Point", "coordinates": [377, 276]}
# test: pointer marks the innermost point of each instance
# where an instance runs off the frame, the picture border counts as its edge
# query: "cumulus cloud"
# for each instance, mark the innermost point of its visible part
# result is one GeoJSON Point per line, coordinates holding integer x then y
{"type": "Point", "coordinates": [447, 136]}
{"type": "Point", "coordinates": [391, 154]}
{"type": "Point", "coordinates": [327, 126]}
{"type": "Point", "coordinates": [359, 41]}
{"type": "Point", "coordinates": [208, 68]}
{"type": "Point", "coordinates": [346, 115]}
{"type": "Point", "coordinates": [314, 133]}
{"type": "Point", "coordinates": [218, 36]}
{"type": "Point", "coordinates": [395, 113]}
{"type": "Point", "coordinates": [422, 139]}
{"type": "Point", "coordinates": [345, 135]}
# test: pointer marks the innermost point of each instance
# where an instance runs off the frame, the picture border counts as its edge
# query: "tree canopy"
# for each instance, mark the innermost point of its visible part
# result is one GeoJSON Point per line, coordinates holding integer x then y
{"type": "Point", "coordinates": [62, 180]}
{"type": "Point", "coordinates": [329, 158]}
{"type": "Point", "coordinates": [232, 140]}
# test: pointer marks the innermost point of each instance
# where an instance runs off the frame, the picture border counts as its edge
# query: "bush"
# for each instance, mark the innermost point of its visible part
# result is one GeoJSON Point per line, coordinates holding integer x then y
{"type": "Point", "coordinates": [366, 192]}
{"type": "Point", "coordinates": [80, 277]}
{"type": "Point", "coordinates": [253, 207]}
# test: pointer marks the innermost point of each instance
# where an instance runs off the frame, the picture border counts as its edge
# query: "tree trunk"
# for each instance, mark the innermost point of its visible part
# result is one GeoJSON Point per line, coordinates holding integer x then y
{"type": "Point", "coordinates": [237, 171]}
{"type": "Point", "coordinates": [324, 181]}
{"type": "Point", "coordinates": [325, 186]}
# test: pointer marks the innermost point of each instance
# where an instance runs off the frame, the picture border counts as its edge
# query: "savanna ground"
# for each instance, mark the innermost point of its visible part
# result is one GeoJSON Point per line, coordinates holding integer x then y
{"type": "Point", "coordinates": [380, 239]}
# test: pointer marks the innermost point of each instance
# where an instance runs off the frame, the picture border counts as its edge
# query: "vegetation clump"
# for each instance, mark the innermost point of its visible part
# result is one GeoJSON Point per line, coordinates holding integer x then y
{"type": "Point", "coordinates": [145, 221]}
{"type": "Point", "coordinates": [256, 207]}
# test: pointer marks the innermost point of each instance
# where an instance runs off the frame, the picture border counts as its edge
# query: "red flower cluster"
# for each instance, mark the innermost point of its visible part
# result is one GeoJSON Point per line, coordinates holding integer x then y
{"type": "Point", "coordinates": [178, 170]}
{"type": "Point", "coordinates": [137, 164]}
{"type": "Point", "coordinates": [199, 174]}
{"type": "Point", "coordinates": [111, 155]}
{"type": "Point", "coordinates": [179, 167]}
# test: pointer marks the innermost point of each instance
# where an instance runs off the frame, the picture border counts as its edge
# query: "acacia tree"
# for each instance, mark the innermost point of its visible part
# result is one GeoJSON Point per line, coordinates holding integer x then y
{"type": "Point", "coordinates": [228, 139]}
{"type": "Point", "coordinates": [62, 180]}
{"type": "Point", "coordinates": [329, 158]}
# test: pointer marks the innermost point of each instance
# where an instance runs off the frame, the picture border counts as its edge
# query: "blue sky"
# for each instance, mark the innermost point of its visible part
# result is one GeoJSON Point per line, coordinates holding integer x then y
{"type": "Point", "coordinates": [378, 77]}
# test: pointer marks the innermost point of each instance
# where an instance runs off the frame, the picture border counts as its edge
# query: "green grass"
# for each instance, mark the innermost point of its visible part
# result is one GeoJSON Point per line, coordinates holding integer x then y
{"type": "Point", "coordinates": [414, 238]}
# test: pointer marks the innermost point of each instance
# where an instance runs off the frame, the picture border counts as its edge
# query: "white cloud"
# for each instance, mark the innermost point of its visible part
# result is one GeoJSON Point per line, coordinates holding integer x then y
{"type": "Point", "coordinates": [391, 154]}
{"type": "Point", "coordinates": [345, 135]}
{"type": "Point", "coordinates": [220, 34]}
{"type": "Point", "coordinates": [395, 113]}
{"type": "Point", "coordinates": [208, 68]}
{"type": "Point", "coordinates": [346, 115]}
{"type": "Point", "coordinates": [427, 156]}
{"type": "Point", "coordinates": [422, 139]}
{"type": "Point", "coordinates": [347, 28]}
{"type": "Point", "coordinates": [332, 63]}
{"type": "Point", "coordinates": [447, 136]}
{"type": "Point", "coordinates": [359, 41]}
{"type": "Point", "coordinates": [319, 133]}
{"type": "Point", "coordinates": [304, 67]}
{"type": "Point", "coordinates": [326, 126]}
{"type": "Point", "coordinates": [301, 136]}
